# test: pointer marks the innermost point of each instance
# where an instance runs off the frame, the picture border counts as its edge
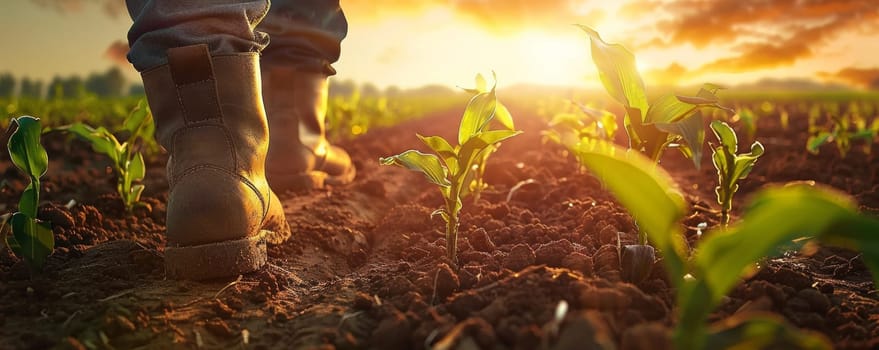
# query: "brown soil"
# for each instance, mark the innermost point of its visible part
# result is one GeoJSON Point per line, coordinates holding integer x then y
{"type": "Point", "coordinates": [366, 267]}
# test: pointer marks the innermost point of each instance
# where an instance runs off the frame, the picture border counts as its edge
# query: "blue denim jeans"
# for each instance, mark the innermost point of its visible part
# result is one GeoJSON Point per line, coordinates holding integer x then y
{"type": "Point", "coordinates": [305, 34]}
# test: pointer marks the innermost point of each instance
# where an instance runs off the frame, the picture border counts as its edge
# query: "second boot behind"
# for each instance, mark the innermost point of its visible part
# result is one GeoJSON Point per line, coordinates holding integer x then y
{"type": "Point", "coordinates": [299, 156]}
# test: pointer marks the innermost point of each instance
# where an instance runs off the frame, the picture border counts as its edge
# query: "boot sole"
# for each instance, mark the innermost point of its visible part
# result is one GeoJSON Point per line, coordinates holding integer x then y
{"type": "Point", "coordinates": [312, 180]}
{"type": "Point", "coordinates": [216, 260]}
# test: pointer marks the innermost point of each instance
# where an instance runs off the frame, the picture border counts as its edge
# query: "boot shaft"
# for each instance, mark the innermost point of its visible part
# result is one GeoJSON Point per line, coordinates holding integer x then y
{"type": "Point", "coordinates": [214, 114]}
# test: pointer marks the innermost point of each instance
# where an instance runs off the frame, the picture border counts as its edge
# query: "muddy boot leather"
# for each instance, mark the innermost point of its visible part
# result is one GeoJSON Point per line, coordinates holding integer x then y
{"type": "Point", "coordinates": [209, 116]}
{"type": "Point", "coordinates": [299, 155]}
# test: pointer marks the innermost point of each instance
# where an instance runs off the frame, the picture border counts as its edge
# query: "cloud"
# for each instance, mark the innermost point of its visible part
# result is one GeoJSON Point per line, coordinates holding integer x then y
{"type": "Point", "coordinates": [764, 34]}
{"type": "Point", "coordinates": [507, 14]}
{"type": "Point", "coordinates": [500, 16]}
{"type": "Point", "coordinates": [671, 75]}
{"type": "Point", "coordinates": [861, 77]}
{"type": "Point", "coordinates": [117, 52]}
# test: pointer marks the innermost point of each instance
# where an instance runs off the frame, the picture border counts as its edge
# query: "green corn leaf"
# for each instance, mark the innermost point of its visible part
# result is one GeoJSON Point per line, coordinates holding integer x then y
{"type": "Point", "coordinates": [672, 108]}
{"type": "Point", "coordinates": [101, 140]}
{"type": "Point", "coordinates": [721, 163]}
{"type": "Point", "coordinates": [428, 164]}
{"type": "Point", "coordinates": [704, 98]}
{"type": "Point", "coordinates": [502, 115]}
{"type": "Point", "coordinates": [609, 124]}
{"type": "Point", "coordinates": [749, 120]}
{"type": "Point", "coordinates": [136, 192]}
{"type": "Point", "coordinates": [763, 331]}
{"type": "Point", "coordinates": [137, 118]}
{"type": "Point", "coordinates": [27, 203]}
{"type": "Point", "coordinates": [607, 120]}
{"type": "Point", "coordinates": [442, 213]}
{"type": "Point", "coordinates": [481, 83]}
{"type": "Point", "coordinates": [745, 162]}
{"type": "Point", "coordinates": [815, 142]}
{"type": "Point", "coordinates": [865, 134]}
{"type": "Point", "coordinates": [726, 135]}
{"type": "Point", "coordinates": [33, 239]}
{"type": "Point", "coordinates": [478, 114]}
{"type": "Point", "coordinates": [478, 143]}
{"type": "Point", "coordinates": [643, 137]}
{"type": "Point", "coordinates": [137, 169]}
{"type": "Point", "coordinates": [443, 149]}
{"type": "Point", "coordinates": [693, 133]}
{"type": "Point", "coordinates": [618, 73]}
{"type": "Point", "coordinates": [650, 196]}
{"type": "Point", "coordinates": [669, 109]}
{"type": "Point", "coordinates": [25, 149]}
{"type": "Point", "coordinates": [820, 212]}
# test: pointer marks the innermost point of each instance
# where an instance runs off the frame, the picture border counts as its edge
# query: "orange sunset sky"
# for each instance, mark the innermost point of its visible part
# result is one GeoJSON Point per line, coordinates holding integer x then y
{"type": "Point", "coordinates": [411, 43]}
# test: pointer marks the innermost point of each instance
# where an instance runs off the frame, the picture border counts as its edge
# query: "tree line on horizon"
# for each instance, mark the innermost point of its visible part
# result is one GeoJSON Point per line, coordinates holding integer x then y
{"type": "Point", "coordinates": [111, 83]}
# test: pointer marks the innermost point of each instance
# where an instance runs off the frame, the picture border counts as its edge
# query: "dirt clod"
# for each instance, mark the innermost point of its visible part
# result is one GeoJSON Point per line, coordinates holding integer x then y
{"type": "Point", "coordinates": [520, 257]}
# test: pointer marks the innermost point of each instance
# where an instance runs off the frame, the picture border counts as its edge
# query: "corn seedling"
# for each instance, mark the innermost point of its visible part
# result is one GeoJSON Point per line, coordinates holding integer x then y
{"type": "Point", "coordinates": [669, 120]}
{"type": "Point", "coordinates": [748, 120]}
{"type": "Point", "coordinates": [451, 168]}
{"type": "Point", "coordinates": [127, 158]}
{"type": "Point", "coordinates": [476, 180]}
{"type": "Point", "coordinates": [731, 167]}
{"type": "Point", "coordinates": [31, 238]}
{"type": "Point", "coordinates": [726, 254]}
{"type": "Point", "coordinates": [583, 128]}
{"type": "Point", "coordinates": [841, 133]}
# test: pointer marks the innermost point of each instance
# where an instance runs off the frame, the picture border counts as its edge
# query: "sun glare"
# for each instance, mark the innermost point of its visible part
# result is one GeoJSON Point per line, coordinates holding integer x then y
{"type": "Point", "coordinates": [553, 60]}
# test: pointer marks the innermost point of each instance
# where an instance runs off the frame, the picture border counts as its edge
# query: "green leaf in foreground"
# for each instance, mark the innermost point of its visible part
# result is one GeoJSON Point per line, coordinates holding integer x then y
{"type": "Point", "coordinates": [778, 216]}
{"type": "Point", "coordinates": [763, 332]}
{"type": "Point", "coordinates": [775, 218]}
{"type": "Point", "coordinates": [650, 196]}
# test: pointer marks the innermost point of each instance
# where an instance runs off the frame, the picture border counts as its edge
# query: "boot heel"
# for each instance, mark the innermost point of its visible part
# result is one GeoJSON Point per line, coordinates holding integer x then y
{"type": "Point", "coordinates": [311, 180]}
{"type": "Point", "coordinates": [215, 260]}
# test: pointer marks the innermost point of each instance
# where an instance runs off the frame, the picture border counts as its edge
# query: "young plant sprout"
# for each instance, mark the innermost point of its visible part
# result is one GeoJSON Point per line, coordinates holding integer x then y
{"type": "Point", "coordinates": [127, 157]}
{"type": "Point", "coordinates": [31, 238]}
{"type": "Point", "coordinates": [668, 120]}
{"type": "Point", "coordinates": [726, 254]}
{"type": "Point", "coordinates": [476, 180]}
{"type": "Point", "coordinates": [842, 134]}
{"type": "Point", "coordinates": [583, 128]}
{"type": "Point", "coordinates": [451, 168]}
{"type": "Point", "coordinates": [748, 119]}
{"type": "Point", "coordinates": [731, 167]}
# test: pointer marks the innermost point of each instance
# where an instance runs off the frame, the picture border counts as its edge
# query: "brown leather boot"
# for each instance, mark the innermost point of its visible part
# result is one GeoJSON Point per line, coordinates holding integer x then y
{"type": "Point", "coordinates": [209, 116]}
{"type": "Point", "coordinates": [299, 155]}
